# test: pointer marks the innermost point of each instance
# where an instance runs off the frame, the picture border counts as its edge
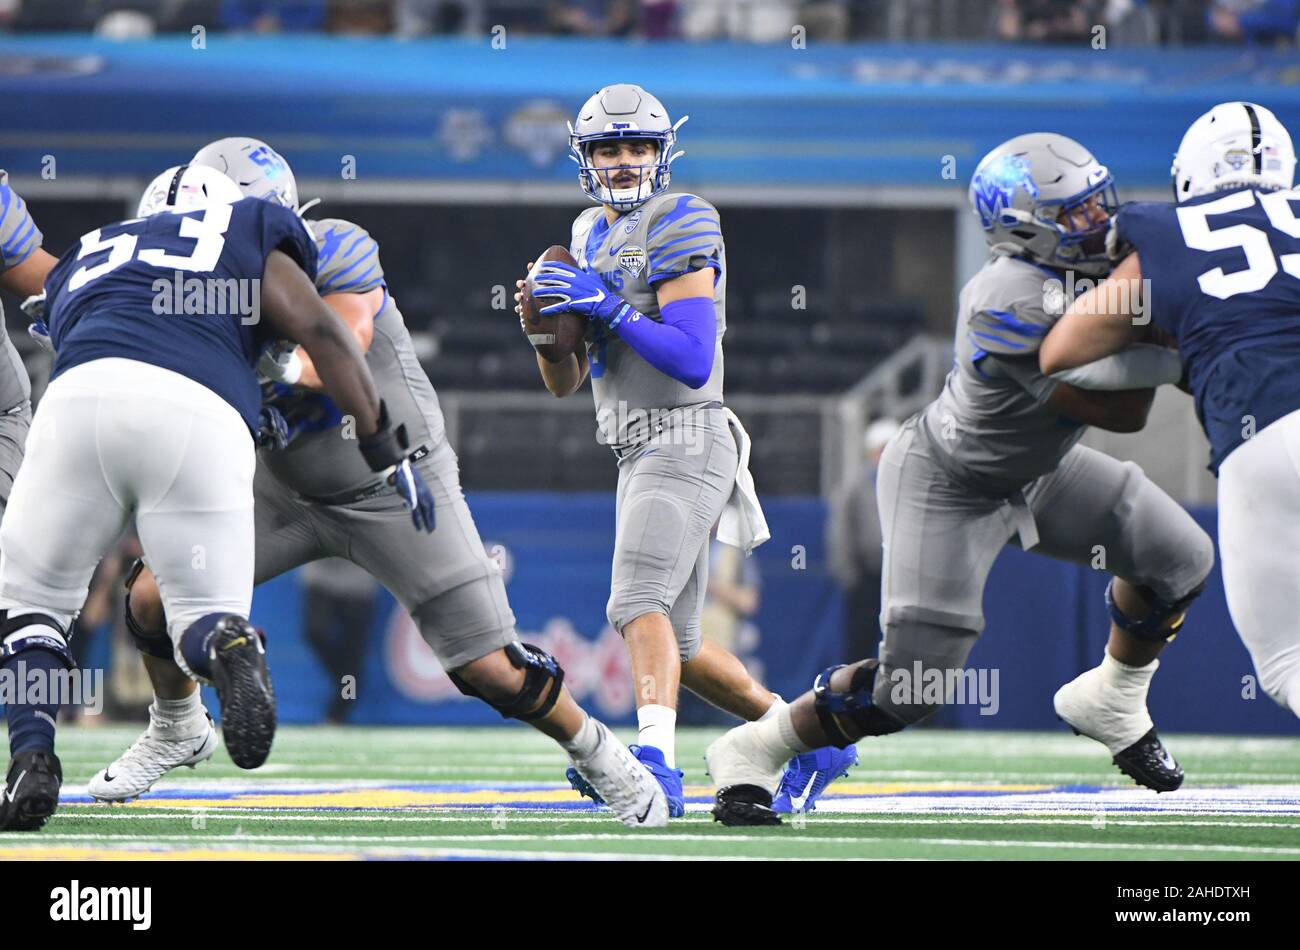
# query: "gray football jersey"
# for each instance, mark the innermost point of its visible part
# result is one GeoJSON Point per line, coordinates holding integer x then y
{"type": "Point", "coordinates": [323, 459]}
{"type": "Point", "coordinates": [668, 236]}
{"type": "Point", "coordinates": [19, 239]}
{"type": "Point", "coordinates": [990, 427]}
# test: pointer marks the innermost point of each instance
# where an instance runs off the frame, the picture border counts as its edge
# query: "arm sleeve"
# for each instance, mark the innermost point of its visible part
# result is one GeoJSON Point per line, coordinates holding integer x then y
{"type": "Point", "coordinates": [19, 235]}
{"type": "Point", "coordinates": [683, 345]}
{"type": "Point", "coordinates": [349, 258]}
{"type": "Point", "coordinates": [684, 236]}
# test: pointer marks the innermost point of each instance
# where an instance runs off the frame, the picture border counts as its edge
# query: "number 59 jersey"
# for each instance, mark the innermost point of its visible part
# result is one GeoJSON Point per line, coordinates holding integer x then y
{"type": "Point", "coordinates": [177, 290]}
{"type": "Point", "coordinates": [1223, 274]}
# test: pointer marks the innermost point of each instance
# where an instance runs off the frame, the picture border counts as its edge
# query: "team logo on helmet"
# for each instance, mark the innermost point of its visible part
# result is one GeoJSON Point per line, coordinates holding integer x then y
{"type": "Point", "coordinates": [632, 260]}
{"type": "Point", "coordinates": [993, 189]}
{"type": "Point", "coordinates": [1237, 158]}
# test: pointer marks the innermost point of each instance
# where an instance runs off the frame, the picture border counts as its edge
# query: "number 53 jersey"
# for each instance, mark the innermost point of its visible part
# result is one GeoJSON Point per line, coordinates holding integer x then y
{"type": "Point", "coordinates": [178, 290]}
{"type": "Point", "coordinates": [1223, 273]}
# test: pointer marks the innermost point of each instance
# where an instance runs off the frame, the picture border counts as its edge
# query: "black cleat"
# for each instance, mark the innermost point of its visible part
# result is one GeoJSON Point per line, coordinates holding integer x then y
{"type": "Point", "coordinates": [244, 687]}
{"type": "Point", "coordinates": [1149, 763]}
{"type": "Point", "coordinates": [744, 805]}
{"type": "Point", "coordinates": [31, 791]}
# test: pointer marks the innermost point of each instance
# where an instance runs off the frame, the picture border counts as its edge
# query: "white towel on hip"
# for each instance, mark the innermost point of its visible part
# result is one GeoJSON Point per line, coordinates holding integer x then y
{"type": "Point", "coordinates": [742, 524]}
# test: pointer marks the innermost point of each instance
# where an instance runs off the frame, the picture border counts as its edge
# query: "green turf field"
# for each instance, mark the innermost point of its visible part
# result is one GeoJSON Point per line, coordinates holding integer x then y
{"type": "Point", "coordinates": [346, 793]}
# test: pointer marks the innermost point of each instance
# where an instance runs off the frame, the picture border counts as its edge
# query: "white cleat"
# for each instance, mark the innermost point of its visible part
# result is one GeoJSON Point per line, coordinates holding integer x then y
{"type": "Point", "coordinates": [627, 787]}
{"type": "Point", "coordinates": [160, 748]}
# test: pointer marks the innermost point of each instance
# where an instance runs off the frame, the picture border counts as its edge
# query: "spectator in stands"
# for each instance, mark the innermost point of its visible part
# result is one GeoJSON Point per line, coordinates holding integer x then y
{"type": "Point", "coordinates": [658, 20]}
{"type": "Point", "coordinates": [1272, 22]}
{"type": "Point", "coordinates": [273, 16]}
{"type": "Point", "coordinates": [591, 17]}
{"type": "Point", "coordinates": [360, 17]}
{"type": "Point", "coordinates": [853, 544]}
{"type": "Point", "coordinates": [755, 21]}
{"type": "Point", "coordinates": [826, 20]}
{"type": "Point", "coordinates": [419, 17]}
{"type": "Point", "coordinates": [1047, 21]}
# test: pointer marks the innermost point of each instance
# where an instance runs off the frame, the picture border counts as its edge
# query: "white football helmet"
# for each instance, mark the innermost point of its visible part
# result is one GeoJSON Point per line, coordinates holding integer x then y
{"type": "Point", "coordinates": [259, 170]}
{"type": "Point", "coordinates": [623, 111]}
{"type": "Point", "coordinates": [185, 187]}
{"type": "Point", "coordinates": [1235, 144]}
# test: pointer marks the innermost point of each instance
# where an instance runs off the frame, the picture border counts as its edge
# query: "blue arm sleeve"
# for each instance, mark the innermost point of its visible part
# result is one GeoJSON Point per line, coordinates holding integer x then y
{"type": "Point", "coordinates": [682, 346]}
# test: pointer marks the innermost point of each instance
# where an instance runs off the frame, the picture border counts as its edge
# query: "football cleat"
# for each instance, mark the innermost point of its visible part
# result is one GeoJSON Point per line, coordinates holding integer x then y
{"type": "Point", "coordinates": [160, 748]}
{"type": "Point", "coordinates": [1118, 719]}
{"type": "Point", "coordinates": [744, 805]}
{"type": "Point", "coordinates": [745, 776]}
{"type": "Point", "coordinates": [653, 759]}
{"type": "Point", "coordinates": [808, 774]}
{"type": "Point", "coordinates": [31, 791]}
{"type": "Point", "coordinates": [243, 682]}
{"type": "Point", "coordinates": [1149, 763]}
{"type": "Point", "coordinates": [619, 779]}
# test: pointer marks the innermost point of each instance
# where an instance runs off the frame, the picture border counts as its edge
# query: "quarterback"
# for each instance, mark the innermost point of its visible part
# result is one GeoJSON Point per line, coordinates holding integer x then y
{"type": "Point", "coordinates": [651, 281]}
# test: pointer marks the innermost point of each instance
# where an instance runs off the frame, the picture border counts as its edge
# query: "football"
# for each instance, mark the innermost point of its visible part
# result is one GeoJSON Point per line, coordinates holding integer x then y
{"type": "Point", "coordinates": [556, 335]}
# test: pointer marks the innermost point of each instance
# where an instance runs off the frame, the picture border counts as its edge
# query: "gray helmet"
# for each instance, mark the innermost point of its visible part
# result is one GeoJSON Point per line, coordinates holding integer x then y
{"type": "Point", "coordinates": [623, 111]}
{"type": "Point", "coordinates": [258, 169]}
{"type": "Point", "coordinates": [1020, 189]}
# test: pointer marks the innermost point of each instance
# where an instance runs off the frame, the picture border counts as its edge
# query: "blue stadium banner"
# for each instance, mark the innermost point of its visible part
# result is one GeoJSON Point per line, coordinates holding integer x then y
{"type": "Point", "coordinates": [459, 110]}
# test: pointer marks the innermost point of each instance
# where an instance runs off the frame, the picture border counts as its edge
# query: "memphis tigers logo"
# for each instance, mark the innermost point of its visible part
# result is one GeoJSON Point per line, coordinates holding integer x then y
{"type": "Point", "coordinates": [993, 189]}
{"type": "Point", "coordinates": [632, 260]}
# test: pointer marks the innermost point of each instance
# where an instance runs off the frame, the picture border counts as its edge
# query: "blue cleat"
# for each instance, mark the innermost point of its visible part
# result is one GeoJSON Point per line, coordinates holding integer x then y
{"type": "Point", "coordinates": [807, 775]}
{"type": "Point", "coordinates": [653, 759]}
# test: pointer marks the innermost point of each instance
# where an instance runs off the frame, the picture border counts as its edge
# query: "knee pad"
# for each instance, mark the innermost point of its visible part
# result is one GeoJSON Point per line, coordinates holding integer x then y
{"type": "Point", "coordinates": [34, 632]}
{"type": "Point", "coordinates": [1152, 627]}
{"type": "Point", "coordinates": [543, 679]}
{"type": "Point", "coordinates": [855, 704]}
{"type": "Point", "coordinates": [157, 644]}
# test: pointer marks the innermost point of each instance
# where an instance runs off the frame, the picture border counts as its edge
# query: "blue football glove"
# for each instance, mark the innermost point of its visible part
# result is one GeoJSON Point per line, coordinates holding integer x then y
{"type": "Point", "coordinates": [272, 429]}
{"type": "Point", "coordinates": [579, 292]}
{"type": "Point", "coordinates": [385, 451]}
{"type": "Point", "coordinates": [415, 495]}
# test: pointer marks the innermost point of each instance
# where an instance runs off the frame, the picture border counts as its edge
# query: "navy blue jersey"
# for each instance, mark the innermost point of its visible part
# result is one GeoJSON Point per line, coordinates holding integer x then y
{"type": "Point", "coordinates": [1224, 272]}
{"type": "Point", "coordinates": [178, 290]}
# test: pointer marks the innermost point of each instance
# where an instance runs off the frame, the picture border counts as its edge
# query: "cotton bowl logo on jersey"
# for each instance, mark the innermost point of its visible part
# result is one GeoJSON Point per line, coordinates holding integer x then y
{"type": "Point", "coordinates": [632, 260]}
{"type": "Point", "coordinates": [993, 189]}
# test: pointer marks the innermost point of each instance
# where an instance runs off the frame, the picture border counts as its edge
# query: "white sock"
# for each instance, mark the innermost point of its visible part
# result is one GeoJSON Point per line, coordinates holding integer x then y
{"type": "Point", "coordinates": [657, 726]}
{"type": "Point", "coordinates": [170, 712]}
{"type": "Point", "coordinates": [585, 741]}
{"type": "Point", "coordinates": [777, 705]}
